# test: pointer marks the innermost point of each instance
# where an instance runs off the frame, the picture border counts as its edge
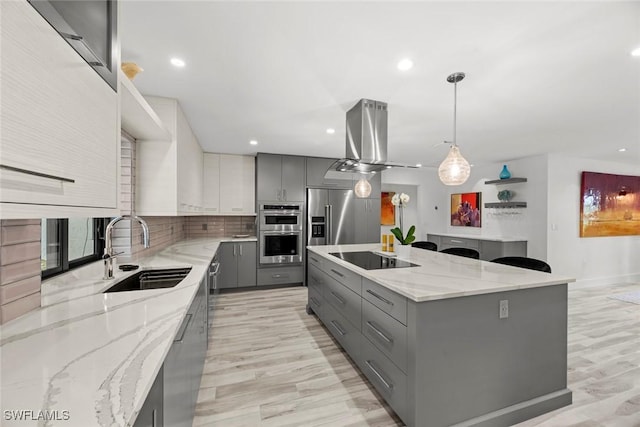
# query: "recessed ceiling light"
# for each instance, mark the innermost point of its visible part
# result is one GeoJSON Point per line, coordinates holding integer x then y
{"type": "Point", "coordinates": [635, 52]}
{"type": "Point", "coordinates": [405, 64]}
{"type": "Point", "coordinates": [622, 150]}
{"type": "Point", "coordinates": [419, 165]}
{"type": "Point", "coordinates": [331, 131]}
{"type": "Point", "coordinates": [253, 142]}
{"type": "Point", "coordinates": [388, 167]}
{"type": "Point", "coordinates": [177, 62]}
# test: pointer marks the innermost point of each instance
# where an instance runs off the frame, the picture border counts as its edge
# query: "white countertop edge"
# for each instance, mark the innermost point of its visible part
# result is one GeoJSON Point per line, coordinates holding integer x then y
{"type": "Point", "coordinates": [481, 237]}
{"type": "Point", "coordinates": [492, 286]}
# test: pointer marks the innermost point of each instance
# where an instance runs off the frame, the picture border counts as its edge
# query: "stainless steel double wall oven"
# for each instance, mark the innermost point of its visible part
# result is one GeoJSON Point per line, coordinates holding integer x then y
{"type": "Point", "coordinates": [281, 233]}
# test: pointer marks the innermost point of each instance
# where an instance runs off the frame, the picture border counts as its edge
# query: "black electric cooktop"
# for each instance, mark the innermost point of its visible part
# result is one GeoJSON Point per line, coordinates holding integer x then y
{"type": "Point", "coordinates": [372, 261]}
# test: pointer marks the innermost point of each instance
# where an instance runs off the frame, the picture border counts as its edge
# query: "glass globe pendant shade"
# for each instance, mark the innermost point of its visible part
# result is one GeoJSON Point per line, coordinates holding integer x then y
{"type": "Point", "coordinates": [454, 169]}
{"type": "Point", "coordinates": [362, 188]}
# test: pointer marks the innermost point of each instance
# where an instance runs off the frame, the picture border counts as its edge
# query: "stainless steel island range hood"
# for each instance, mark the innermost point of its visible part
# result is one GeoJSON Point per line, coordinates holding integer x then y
{"type": "Point", "coordinates": [366, 140]}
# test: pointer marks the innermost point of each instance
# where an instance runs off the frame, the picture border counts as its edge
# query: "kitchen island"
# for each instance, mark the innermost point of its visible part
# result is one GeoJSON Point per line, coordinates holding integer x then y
{"type": "Point", "coordinates": [451, 340]}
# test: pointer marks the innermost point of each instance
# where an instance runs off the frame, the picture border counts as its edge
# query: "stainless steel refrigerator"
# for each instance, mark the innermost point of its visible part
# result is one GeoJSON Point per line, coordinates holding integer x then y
{"type": "Point", "coordinates": [330, 217]}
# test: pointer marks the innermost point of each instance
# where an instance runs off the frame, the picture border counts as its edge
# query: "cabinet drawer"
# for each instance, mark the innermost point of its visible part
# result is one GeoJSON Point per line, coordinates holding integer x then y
{"type": "Point", "coordinates": [316, 302]}
{"type": "Point", "coordinates": [315, 260]}
{"type": "Point", "coordinates": [386, 333]}
{"type": "Point", "coordinates": [385, 377]}
{"type": "Point", "coordinates": [456, 242]}
{"type": "Point", "coordinates": [343, 331]}
{"type": "Point", "coordinates": [317, 280]}
{"type": "Point", "coordinates": [280, 275]}
{"type": "Point", "coordinates": [346, 302]}
{"type": "Point", "coordinates": [391, 303]}
{"type": "Point", "coordinates": [343, 275]}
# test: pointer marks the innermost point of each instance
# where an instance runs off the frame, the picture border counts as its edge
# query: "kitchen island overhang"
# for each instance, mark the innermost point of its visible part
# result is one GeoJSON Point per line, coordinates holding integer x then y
{"type": "Point", "coordinates": [434, 341]}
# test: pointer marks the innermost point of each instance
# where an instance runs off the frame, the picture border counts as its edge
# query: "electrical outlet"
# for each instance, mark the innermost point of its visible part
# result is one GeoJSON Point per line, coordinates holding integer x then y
{"type": "Point", "coordinates": [504, 308]}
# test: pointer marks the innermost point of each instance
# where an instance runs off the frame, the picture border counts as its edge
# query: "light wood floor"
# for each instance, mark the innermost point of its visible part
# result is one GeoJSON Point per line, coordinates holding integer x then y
{"type": "Point", "coordinates": [271, 364]}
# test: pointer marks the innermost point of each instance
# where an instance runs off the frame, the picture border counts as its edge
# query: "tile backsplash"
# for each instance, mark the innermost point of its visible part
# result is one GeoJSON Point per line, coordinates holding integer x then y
{"type": "Point", "coordinates": [220, 226]}
{"type": "Point", "coordinates": [19, 267]}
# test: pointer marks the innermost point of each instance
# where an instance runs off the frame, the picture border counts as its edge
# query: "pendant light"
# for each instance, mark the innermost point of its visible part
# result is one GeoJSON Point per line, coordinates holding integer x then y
{"type": "Point", "coordinates": [454, 169]}
{"type": "Point", "coordinates": [362, 188]}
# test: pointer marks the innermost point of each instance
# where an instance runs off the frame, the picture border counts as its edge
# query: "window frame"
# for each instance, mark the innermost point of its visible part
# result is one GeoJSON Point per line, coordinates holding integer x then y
{"type": "Point", "coordinates": [62, 232]}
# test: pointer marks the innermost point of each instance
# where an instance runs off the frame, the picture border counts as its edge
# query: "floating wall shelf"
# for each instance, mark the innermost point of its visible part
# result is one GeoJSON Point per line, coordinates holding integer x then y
{"type": "Point", "coordinates": [506, 181]}
{"type": "Point", "coordinates": [506, 205]}
{"type": "Point", "coordinates": [138, 118]}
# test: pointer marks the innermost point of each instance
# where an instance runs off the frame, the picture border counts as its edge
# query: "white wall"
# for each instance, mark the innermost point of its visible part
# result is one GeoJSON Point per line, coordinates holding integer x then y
{"type": "Point", "coordinates": [425, 209]}
{"type": "Point", "coordinates": [528, 223]}
{"type": "Point", "coordinates": [590, 259]}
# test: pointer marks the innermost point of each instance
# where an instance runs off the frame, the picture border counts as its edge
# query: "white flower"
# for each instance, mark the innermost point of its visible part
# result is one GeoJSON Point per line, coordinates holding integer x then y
{"type": "Point", "coordinates": [395, 200]}
{"type": "Point", "coordinates": [404, 198]}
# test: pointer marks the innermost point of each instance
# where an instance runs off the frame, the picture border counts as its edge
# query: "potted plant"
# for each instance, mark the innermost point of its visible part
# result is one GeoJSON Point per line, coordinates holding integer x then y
{"type": "Point", "coordinates": [401, 201]}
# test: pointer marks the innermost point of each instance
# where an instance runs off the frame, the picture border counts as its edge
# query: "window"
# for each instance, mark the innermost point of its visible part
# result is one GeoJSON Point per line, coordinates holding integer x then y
{"type": "Point", "coordinates": [69, 243]}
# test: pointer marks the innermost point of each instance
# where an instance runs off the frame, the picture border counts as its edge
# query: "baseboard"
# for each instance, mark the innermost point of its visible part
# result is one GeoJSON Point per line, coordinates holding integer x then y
{"type": "Point", "coordinates": [605, 281]}
{"type": "Point", "coordinates": [522, 411]}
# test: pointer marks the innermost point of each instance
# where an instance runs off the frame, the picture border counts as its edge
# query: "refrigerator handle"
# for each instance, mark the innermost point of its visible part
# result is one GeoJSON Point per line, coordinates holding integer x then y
{"type": "Point", "coordinates": [328, 224]}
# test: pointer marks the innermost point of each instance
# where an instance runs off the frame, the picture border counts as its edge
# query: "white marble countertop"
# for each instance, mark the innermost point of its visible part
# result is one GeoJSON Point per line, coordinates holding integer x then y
{"type": "Point", "coordinates": [96, 355]}
{"type": "Point", "coordinates": [481, 237]}
{"type": "Point", "coordinates": [441, 276]}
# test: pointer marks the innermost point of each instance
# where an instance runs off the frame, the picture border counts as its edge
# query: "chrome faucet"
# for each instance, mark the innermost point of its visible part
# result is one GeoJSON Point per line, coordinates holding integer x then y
{"type": "Point", "coordinates": [108, 247]}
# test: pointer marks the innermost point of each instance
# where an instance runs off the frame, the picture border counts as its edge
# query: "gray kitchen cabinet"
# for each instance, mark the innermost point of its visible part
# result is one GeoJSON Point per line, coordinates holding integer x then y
{"type": "Point", "coordinates": [280, 178]}
{"type": "Point", "coordinates": [489, 248]}
{"type": "Point", "coordinates": [184, 363]}
{"type": "Point", "coordinates": [238, 264]}
{"type": "Point", "coordinates": [152, 412]}
{"type": "Point", "coordinates": [367, 220]}
{"type": "Point", "coordinates": [317, 169]}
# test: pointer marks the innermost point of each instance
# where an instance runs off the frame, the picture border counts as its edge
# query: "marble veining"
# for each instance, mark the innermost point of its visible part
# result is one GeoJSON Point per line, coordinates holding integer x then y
{"type": "Point", "coordinates": [96, 355]}
{"type": "Point", "coordinates": [441, 276]}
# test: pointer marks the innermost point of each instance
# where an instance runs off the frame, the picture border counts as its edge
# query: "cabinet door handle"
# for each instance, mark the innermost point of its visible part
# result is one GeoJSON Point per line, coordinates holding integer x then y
{"type": "Point", "coordinates": [388, 385]}
{"type": "Point", "coordinates": [314, 260]}
{"type": "Point", "coordinates": [337, 327]}
{"type": "Point", "coordinates": [34, 173]}
{"type": "Point", "coordinates": [183, 328]}
{"type": "Point", "coordinates": [279, 276]}
{"type": "Point", "coordinates": [337, 272]}
{"type": "Point", "coordinates": [153, 419]}
{"type": "Point", "coordinates": [379, 332]}
{"type": "Point", "coordinates": [338, 298]}
{"type": "Point", "coordinates": [284, 195]}
{"type": "Point", "coordinates": [240, 246]}
{"type": "Point", "coordinates": [381, 298]}
{"type": "Point", "coordinates": [75, 37]}
{"type": "Point", "coordinates": [455, 241]}
{"type": "Point", "coordinates": [234, 250]}
{"type": "Point", "coordinates": [314, 301]}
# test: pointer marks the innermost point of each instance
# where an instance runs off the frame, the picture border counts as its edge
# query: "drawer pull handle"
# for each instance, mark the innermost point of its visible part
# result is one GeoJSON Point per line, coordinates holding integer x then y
{"type": "Point", "coordinates": [379, 332]}
{"type": "Point", "coordinates": [337, 327]}
{"type": "Point", "coordinates": [455, 241]}
{"type": "Point", "coordinates": [77, 38]}
{"type": "Point", "coordinates": [183, 329]}
{"type": "Point", "coordinates": [40, 174]}
{"type": "Point", "coordinates": [380, 377]}
{"type": "Point", "coordinates": [314, 260]}
{"type": "Point", "coordinates": [314, 301]}
{"type": "Point", "coordinates": [338, 297]}
{"type": "Point", "coordinates": [337, 272]}
{"type": "Point", "coordinates": [279, 276]}
{"type": "Point", "coordinates": [383, 299]}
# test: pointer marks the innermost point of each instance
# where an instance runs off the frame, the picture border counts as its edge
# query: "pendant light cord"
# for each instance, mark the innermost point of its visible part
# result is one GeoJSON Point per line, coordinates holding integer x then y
{"type": "Point", "coordinates": [455, 105]}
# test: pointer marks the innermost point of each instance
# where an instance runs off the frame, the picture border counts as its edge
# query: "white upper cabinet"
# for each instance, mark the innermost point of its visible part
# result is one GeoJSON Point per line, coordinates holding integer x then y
{"type": "Point", "coordinates": [229, 184]}
{"type": "Point", "coordinates": [169, 173]}
{"type": "Point", "coordinates": [60, 139]}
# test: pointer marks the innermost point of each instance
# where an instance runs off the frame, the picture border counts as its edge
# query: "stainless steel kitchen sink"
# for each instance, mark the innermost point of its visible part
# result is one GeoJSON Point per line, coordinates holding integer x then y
{"type": "Point", "coordinates": [151, 279]}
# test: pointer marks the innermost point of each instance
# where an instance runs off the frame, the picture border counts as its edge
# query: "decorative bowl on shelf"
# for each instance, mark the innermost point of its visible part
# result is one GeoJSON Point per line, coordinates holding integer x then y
{"type": "Point", "coordinates": [131, 69]}
{"type": "Point", "coordinates": [505, 195]}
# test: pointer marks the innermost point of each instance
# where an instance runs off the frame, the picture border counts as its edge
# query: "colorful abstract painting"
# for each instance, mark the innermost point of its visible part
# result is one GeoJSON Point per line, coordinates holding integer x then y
{"type": "Point", "coordinates": [609, 205]}
{"type": "Point", "coordinates": [465, 209]}
{"type": "Point", "coordinates": [387, 210]}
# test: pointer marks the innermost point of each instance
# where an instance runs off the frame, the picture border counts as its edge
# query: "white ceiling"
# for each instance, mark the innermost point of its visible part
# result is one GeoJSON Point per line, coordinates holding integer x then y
{"type": "Point", "coordinates": [541, 76]}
